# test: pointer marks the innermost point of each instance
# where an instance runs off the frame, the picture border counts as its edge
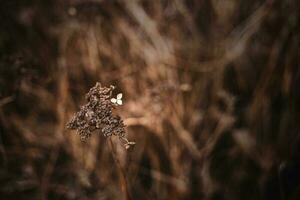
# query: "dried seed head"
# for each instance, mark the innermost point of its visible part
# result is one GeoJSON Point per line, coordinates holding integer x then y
{"type": "Point", "coordinates": [97, 115]}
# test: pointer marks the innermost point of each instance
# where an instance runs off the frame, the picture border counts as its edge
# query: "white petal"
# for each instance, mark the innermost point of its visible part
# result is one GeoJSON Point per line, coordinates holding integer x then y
{"type": "Point", "coordinates": [119, 101]}
{"type": "Point", "coordinates": [119, 96]}
{"type": "Point", "coordinates": [113, 100]}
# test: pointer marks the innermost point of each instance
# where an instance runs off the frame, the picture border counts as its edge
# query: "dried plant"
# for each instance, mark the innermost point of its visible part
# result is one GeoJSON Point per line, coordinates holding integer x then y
{"type": "Point", "coordinates": [97, 114]}
{"type": "Point", "coordinates": [214, 99]}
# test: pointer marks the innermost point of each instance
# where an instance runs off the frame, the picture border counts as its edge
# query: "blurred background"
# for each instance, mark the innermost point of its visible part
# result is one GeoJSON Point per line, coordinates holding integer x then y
{"type": "Point", "coordinates": [210, 92]}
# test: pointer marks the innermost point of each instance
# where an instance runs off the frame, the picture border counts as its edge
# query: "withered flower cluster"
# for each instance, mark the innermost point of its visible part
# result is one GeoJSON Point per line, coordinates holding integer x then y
{"type": "Point", "coordinates": [97, 114]}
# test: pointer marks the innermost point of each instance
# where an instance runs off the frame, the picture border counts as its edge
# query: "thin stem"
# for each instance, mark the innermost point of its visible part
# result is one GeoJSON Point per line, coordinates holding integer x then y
{"type": "Point", "coordinates": [121, 170]}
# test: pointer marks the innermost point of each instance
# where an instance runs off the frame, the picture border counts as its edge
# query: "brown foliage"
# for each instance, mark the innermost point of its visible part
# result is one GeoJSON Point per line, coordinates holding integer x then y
{"type": "Point", "coordinates": [210, 90]}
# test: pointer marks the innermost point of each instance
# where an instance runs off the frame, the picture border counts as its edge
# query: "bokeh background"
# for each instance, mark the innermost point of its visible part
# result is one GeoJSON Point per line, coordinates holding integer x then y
{"type": "Point", "coordinates": [211, 98]}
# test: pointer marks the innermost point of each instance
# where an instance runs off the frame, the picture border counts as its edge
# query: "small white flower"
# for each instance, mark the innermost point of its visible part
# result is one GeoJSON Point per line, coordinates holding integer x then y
{"type": "Point", "coordinates": [118, 100]}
